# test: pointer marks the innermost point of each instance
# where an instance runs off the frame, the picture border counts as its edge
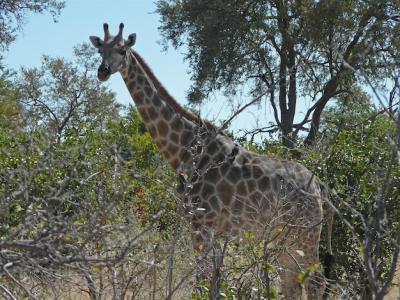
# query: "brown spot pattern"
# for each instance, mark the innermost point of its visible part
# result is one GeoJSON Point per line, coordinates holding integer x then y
{"type": "Point", "coordinates": [162, 128]}
{"type": "Point", "coordinates": [139, 98]}
{"type": "Point", "coordinates": [152, 113]}
{"type": "Point", "coordinates": [224, 190]}
{"type": "Point", "coordinates": [148, 91]}
{"type": "Point", "coordinates": [166, 113]}
{"type": "Point", "coordinates": [156, 100]}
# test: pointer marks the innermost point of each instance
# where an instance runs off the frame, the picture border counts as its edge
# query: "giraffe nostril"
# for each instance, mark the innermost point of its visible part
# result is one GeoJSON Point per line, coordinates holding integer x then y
{"type": "Point", "coordinates": [103, 68]}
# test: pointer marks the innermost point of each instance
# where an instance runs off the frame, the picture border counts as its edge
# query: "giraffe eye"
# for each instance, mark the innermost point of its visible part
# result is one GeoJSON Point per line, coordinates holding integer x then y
{"type": "Point", "coordinates": [122, 51]}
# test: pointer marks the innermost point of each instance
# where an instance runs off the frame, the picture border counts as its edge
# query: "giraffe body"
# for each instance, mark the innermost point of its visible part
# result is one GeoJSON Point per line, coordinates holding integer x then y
{"type": "Point", "coordinates": [233, 191]}
{"type": "Point", "coordinates": [250, 189]}
{"type": "Point", "coordinates": [230, 190]}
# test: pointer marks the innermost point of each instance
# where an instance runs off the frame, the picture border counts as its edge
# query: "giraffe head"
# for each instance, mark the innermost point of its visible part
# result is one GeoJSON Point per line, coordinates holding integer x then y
{"type": "Point", "coordinates": [113, 51]}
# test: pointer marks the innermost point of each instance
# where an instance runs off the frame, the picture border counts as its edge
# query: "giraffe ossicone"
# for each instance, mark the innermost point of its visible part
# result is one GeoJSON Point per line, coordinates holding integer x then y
{"type": "Point", "coordinates": [229, 189]}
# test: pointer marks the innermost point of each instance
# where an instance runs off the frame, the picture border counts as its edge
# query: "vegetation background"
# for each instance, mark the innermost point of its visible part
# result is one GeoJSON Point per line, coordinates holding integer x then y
{"type": "Point", "coordinates": [88, 205]}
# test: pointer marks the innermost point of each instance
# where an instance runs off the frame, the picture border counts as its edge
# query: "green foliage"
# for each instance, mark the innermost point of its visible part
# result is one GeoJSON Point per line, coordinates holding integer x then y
{"type": "Point", "coordinates": [78, 175]}
{"type": "Point", "coordinates": [293, 49]}
{"type": "Point", "coordinates": [62, 94]}
{"type": "Point", "coordinates": [355, 166]}
{"type": "Point", "coordinates": [255, 31]}
{"type": "Point", "coordinates": [10, 108]}
{"type": "Point", "coordinates": [62, 203]}
{"type": "Point", "coordinates": [353, 158]}
{"type": "Point", "coordinates": [356, 158]}
{"type": "Point", "coordinates": [302, 277]}
{"type": "Point", "coordinates": [121, 155]}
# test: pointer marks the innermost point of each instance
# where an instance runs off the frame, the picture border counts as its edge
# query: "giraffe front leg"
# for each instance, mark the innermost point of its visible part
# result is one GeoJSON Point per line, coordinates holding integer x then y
{"type": "Point", "coordinates": [315, 284]}
{"type": "Point", "coordinates": [209, 263]}
{"type": "Point", "coordinates": [292, 265]}
{"type": "Point", "coordinates": [290, 286]}
{"type": "Point", "coordinates": [202, 244]}
{"type": "Point", "coordinates": [300, 263]}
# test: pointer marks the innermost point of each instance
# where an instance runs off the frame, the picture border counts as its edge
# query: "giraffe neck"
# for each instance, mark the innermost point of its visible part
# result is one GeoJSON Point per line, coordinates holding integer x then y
{"type": "Point", "coordinates": [172, 127]}
{"type": "Point", "coordinates": [167, 97]}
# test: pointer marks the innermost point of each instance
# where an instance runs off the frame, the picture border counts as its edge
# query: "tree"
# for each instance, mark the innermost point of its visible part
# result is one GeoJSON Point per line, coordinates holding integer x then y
{"type": "Point", "coordinates": [296, 50]}
{"type": "Point", "coordinates": [13, 13]}
{"type": "Point", "coordinates": [83, 208]}
{"type": "Point", "coordinates": [357, 158]}
{"type": "Point", "coordinates": [62, 94]}
{"type": "Point", "coordinates": [11, 113]}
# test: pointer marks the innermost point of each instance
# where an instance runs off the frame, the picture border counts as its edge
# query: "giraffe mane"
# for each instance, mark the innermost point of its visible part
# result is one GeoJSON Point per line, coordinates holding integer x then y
{"type": "Point", "coordinates": [168, 98]}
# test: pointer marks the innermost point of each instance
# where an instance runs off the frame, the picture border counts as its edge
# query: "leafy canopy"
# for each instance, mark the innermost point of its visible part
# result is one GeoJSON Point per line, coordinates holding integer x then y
{"type": "Point", "coordinates": [13, 14]}
{"type": "Point", "coordinates": [294, 49]}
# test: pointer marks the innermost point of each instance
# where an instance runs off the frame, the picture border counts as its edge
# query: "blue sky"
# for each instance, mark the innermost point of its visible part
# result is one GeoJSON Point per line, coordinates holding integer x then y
{"type": "Point", "coordinates": [82, 18]}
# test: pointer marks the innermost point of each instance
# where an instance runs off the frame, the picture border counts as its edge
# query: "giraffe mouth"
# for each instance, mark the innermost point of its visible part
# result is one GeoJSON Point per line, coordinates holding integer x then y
{"type": "Point", "coordinates": [103, 72]}
{"type": "Point", "coordinates": [103, 75]}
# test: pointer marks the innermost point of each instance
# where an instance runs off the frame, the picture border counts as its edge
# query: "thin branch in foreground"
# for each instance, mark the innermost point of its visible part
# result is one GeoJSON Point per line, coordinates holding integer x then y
{"type": "Point", "coordinates": [226, 123]}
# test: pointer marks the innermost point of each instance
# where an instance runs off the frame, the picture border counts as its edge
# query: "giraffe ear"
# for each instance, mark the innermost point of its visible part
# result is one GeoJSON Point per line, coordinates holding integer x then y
{"type": "Point", "coordinates": [96, 41]}
{"type": "Point", "coordinates": [131, 40]}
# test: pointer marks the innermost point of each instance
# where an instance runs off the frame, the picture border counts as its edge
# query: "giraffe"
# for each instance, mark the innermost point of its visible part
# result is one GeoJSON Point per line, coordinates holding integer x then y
{"type": "Point", "coordinates": [229, 190]}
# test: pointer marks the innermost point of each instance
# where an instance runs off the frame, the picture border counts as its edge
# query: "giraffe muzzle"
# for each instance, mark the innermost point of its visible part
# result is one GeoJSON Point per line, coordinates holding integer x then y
{"type": "Point", "coordinates": [103, 73]}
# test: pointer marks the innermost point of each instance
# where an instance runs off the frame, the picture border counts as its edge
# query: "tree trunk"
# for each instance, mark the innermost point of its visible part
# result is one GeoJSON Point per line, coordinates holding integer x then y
{"type": "Point", "coordinates": [328, 93]}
